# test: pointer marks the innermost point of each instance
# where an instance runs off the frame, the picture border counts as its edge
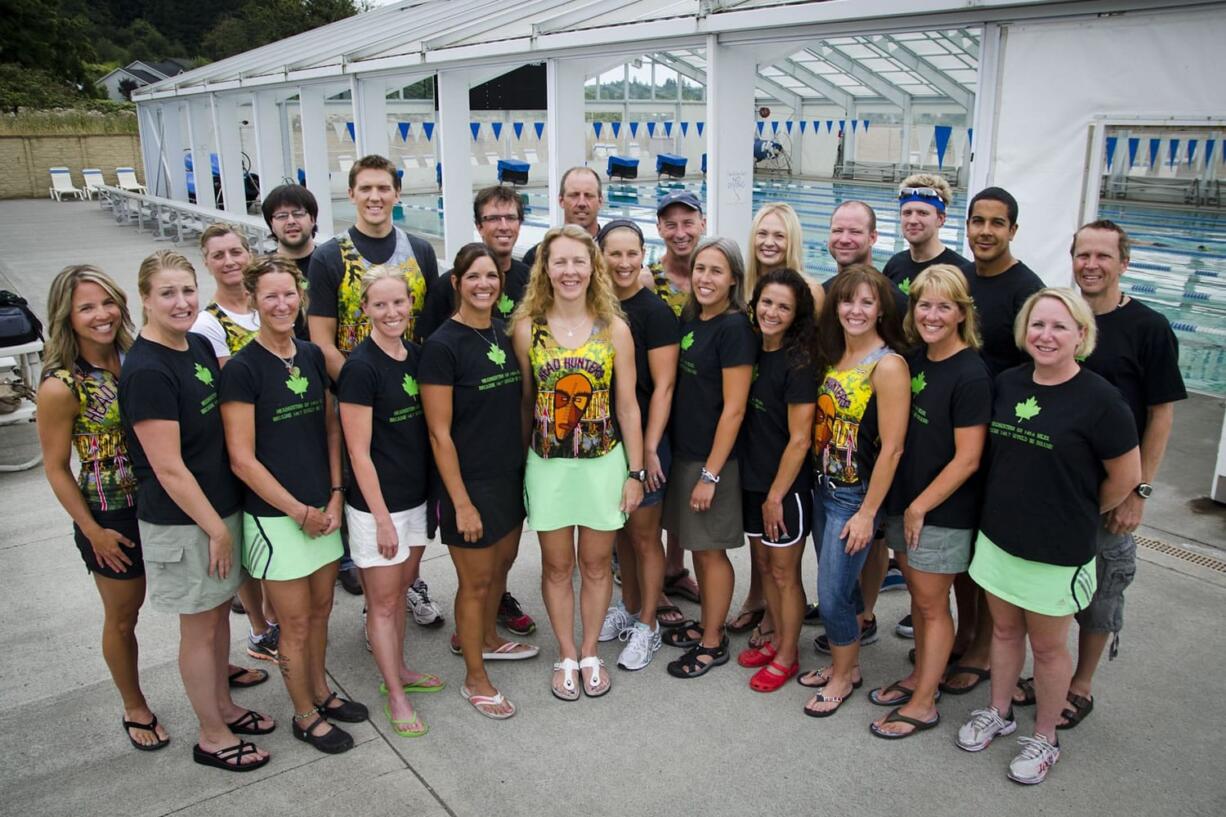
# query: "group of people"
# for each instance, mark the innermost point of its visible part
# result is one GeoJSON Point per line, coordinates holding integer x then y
{"type": "Point", "coordinates": [924, 410]}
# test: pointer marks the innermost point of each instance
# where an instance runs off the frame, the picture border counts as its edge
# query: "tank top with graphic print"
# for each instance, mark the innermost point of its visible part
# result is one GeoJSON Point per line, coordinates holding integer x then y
{"type": "Point", "coordinates": [845, 432]}
{"type": "Point", "coordinates": [106, 479]}
{"type": "Point", "coordinates": [573, 417]}
{"type": "Point", "coordinates": [237, 335]}
{"type": "Point", "coordinates": [666, 289]}
{"type": "Point", "coordinates": [352, 325]}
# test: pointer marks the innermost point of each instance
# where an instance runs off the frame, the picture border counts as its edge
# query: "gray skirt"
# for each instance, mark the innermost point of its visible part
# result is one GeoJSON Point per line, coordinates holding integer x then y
{"type": "Point", "coordinates": [177, 567]}
{"type": "Point", "coordinates": [717, 528]}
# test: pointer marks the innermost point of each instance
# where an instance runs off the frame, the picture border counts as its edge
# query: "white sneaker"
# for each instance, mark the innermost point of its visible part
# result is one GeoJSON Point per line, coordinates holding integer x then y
{"type": "Point", "coordinates": [417, 601]}
{"type": "Point", "coordinates": [1034, 760]}
{"type": "Point", "coordinates": [616, 620]}
{"type": "Point", "coordinates": [641, 645]}
{"type": "Point", "coordinates": [984, 726]}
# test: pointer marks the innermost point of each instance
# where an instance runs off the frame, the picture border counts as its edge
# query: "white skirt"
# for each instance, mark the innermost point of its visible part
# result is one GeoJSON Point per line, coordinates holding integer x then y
{"type": "Point", "coordinates": [363, 545]}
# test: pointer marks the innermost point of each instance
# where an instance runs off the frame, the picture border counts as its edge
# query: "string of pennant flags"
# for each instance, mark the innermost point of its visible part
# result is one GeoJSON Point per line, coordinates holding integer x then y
{"type": "Point", "coordinates": [1154, 148]}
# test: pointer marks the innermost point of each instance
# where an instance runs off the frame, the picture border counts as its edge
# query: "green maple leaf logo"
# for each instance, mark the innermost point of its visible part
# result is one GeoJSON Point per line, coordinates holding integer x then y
{"type": "Point", "coordinates": [410, 386]}
{"type": "Point", "coordinates": [297, 383]}
{"type": "Point", "coordinates": [496, 355]}
{"type": "Point", "coordinates": [1027, 409]}
{"type": "Point", "coordinates": [687, 341]}
{"type": "Point", "coordinates": [905, 286]}
{"type": "Point", "coordinates": [754, 377]}
{"type": "Point", "coordinates": [204, 375]}
{"type": "Point", "coordinates": [918, 383]}
{"type": "Point", "coordinates": [505, 304]}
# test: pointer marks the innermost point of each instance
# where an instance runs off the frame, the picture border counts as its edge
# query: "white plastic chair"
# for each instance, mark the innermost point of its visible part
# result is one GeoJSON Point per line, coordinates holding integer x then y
{"type": "Point", "coordinates": [127, 180]}
{"type": "Point", "coordinates": [61, 184]}
{"type": "Point", "coordinates": [94, 182]}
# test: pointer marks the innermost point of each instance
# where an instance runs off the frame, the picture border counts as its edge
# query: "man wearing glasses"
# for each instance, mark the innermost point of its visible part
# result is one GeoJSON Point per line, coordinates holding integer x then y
{"type": "Point", "coordinates": [922, 200]}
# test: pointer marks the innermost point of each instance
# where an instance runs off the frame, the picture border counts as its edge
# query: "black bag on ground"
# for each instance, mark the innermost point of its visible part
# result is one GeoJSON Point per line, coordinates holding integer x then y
{"type": "Point", "coordinates": [18, 323]}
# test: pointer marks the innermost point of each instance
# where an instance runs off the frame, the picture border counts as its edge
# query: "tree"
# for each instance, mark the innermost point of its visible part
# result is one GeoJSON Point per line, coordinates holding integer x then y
{"type": "Point", "coordinates": [37, 34]}
{"type": "Point", "coordinates": [126, 86]}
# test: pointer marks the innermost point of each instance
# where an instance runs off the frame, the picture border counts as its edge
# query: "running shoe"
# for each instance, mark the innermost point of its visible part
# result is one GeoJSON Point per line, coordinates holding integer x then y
{"type": "Point", "coordinates": [512, 616]}
{"type": "Point", "coordinates": [1034, 761]}
{"type": "Point", "coordinates": [813, 615]}
{"type": "Point", "coordinates": [417, 601]}
{"type": "Point", "coordinates": [893, 580]}
{"type": "Point", "coordinates": [616, 620]}
{"type": "Point", "coordinates": [868, 635]}
{"type": "Point", "coordinates": [264, 646]}
{"type": "Point", "coordinates": [641, 645]}
{"type": "Point", "coordinates": [349, 581]}
{"type": "Point", "coordinates": [985, 726]}
{"type": "Point", "coordinates": [904, 628]}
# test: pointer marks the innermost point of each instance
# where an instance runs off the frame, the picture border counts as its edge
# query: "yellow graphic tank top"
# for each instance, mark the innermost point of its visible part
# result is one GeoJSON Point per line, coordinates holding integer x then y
{"type": "Point", "coordinates": [842, 400]}
{"type": "Point", "coordinates": [352, 325]}
{"type": "Point", "coordinates": [573, 416]}
{"type": "Point", "coordinates": [666, 289]}
{"type": "Point", "coordinates": [237, 336]}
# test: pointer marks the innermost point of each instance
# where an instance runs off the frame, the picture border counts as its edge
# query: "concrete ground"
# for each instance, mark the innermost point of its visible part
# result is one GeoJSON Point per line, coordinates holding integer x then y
{"type": "Point", "coordinates": [654, 745]}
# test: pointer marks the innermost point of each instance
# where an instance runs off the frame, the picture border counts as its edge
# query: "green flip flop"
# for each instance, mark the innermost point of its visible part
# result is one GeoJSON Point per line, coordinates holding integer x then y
{"type": "Point", "coordinates": [414, 728]}
{"type": "Point", "coordinates": [426, 683]}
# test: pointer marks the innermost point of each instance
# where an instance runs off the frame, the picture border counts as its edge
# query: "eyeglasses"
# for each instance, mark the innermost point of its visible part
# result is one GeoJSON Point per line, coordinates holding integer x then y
{"type": "Point", "coordinates": [296, 215]}
{"type": "Point", "coordinates": [500, 219]}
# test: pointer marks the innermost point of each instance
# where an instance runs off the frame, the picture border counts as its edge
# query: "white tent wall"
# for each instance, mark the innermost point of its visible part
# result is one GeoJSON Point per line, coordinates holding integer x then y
{"type": "Point", "coordinates": [1055, 77]}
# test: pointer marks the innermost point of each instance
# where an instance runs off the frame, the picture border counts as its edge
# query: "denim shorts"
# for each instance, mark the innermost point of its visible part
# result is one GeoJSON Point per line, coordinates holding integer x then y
{"type": "Point", "coordinates": [838, 573]}
{"type": "Point", "coordinates": [665, 453]}
{"type": "Point", "coordinates": [1116, 566]}
{"type": "Point", "coordinates": [940, 550]}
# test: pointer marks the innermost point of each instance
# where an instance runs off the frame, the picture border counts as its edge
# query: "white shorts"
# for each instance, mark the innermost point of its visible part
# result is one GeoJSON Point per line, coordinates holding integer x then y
{"type": "Point", "coordinates": [363, 547]}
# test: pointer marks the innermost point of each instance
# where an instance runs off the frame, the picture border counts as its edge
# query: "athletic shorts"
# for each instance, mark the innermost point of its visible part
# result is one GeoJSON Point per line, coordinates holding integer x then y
{"type": "Point", "coordinates": [363, 542]}
{"type": "Point", "coordinates": [500, 503]}
{"type": "Point", "coordinates": [275, 549]}
{"type": "Point", "coordinates": [561, 492]}
{"type": "Point", "coordinates": [122, 521]}
{"type": "Point", "coordinates": [795, 517]}
{"type": "Point", "coordinates": [1050, 590]}
{"type": "Point", "coordinates": [665, 453]}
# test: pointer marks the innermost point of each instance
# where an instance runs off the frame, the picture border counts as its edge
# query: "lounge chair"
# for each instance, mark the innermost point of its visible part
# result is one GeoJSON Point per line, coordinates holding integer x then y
{"type": "Point", "coordinates": [127, 180]}
{"type": "Point", "coordinates": [94, 182]}
{"type": "Point", "coordinates": [61, 184]}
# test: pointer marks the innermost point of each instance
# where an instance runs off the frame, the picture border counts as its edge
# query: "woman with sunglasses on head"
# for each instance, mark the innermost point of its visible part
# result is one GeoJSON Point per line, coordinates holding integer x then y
{"type": "Point", "coordinates": [189, 509]}
{"type": "Point", "coordinates": [933, 507]}
{"type": "Point", "coordinates": [389, 455]}
{"type": "Point", "coordinates": [284, 441]}
{"type": "Point", "coordinates": [472, 394]}
{"type": "Point", "coordinates": [776, 467]}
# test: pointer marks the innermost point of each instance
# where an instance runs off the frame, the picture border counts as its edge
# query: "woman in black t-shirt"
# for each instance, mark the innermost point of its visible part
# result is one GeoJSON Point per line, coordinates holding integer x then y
{"type": "Point", "coordinates": [932, 507]}
{"type": "Point", "coordinates": [284, 443]}
{"type": "Point", "coordinates": [776, 469]}
{"type": "Point", "coordinates": [385, 433]}
{"type": "Point", "coordinates": [703, 502]}
{"type": "Point", "coordinates": [189, 502]}
{"type": "Point", "coordinates": [472, 392]}
{"type": "Point", "coordinates": [1063, 451]}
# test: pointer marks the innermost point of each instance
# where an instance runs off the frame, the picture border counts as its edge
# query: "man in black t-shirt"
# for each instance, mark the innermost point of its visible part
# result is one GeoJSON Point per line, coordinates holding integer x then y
{"type": "Point", "coordinates": [581, 195]}
{"type": "Point", "coordinates": [498, 212]}
{"type": "Point", "coordinates": [922, 199]}
{"type": "Point", "coordinates": [290, 211]}
{"type": "Point", "coordinates": [1138, 354]}
{"type": "Point", "coordinates": [853, 232]}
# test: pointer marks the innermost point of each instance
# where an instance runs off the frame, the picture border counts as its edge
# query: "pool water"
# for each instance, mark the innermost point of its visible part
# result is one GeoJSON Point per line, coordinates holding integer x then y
{"type": "Point", "coordinates": [1178, 260]}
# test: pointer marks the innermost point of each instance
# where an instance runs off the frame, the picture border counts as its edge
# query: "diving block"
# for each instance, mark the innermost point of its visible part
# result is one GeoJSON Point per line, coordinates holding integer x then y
{"type": "Point", "coordinates": [670, 164]}
{"type": "Point", "coordinates": [623, 167]}
{"type": "Point", "coordinates": [513, 171]}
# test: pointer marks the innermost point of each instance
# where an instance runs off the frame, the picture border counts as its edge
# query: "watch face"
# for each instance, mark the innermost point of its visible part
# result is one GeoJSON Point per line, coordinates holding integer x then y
{"type": "Point", "coordinates": [1144, 490]}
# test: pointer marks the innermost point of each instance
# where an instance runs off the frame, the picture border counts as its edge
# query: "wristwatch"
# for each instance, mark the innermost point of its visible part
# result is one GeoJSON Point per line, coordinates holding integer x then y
{"type": "Point", "coordinates": [640, 475]}
{"type": "Point", "coordinates": [1144, 490]}
{"type": "Point", "coordinates": [707, 476]}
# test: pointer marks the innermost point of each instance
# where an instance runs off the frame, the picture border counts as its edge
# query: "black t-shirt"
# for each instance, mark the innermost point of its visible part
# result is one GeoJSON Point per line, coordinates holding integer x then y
{"type": "Point", "coordinates": [1138, 354]}
{"type": "Point", "coordinates": [900, 301]}
{"type": "Point", "coordinates": [777, 384]}
{"type": "Point", "coordinates": [160, 383]}
{"type": "Point", "coordinates": [902, 269]}
{"type": "Point", "coordinates": [707, 348]}
{"type": "Point", "coordinates": [399, 447]}
{"type": "Point", "coordinates": [653, 325]}
{"type": "Point", "coordinates": [1046, 449]}
{"type": "Point", "coordinates": [440, 298]}
{"type": "Point", "coordinates": [487, 392]}
{"type": "Point", "coordinates": [945, 395]}
{"type": "Point", "coordinates": [291, 435]}
{"type": "Point", "coordinates": [998, 299]}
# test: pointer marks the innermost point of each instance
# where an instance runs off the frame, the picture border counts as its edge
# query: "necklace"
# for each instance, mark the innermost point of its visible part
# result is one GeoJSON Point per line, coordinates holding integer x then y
{"type": "Point", "coordinates": [496, 354]}
{"type": "Point", "coordinates": [570, 330]}
{"type": "Point", "coordinates": [288, 362]}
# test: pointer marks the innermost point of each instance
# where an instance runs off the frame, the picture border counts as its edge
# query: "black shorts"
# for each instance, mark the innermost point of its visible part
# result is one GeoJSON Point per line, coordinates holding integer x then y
{"type": "Point", "coordinates": [500, 503]}
{"type": "Point", "coordinates": [796, 519]}
{"type": "Point", "coordinates": [123, 521]}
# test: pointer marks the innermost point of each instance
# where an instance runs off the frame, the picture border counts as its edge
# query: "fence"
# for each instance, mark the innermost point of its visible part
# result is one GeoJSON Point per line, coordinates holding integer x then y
{"type": "Point", "coordinates": [25, 160]}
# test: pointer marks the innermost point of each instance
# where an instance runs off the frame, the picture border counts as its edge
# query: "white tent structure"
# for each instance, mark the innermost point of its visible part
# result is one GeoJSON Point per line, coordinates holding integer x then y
{"type": "Point", "coordinates": [1040, 81]}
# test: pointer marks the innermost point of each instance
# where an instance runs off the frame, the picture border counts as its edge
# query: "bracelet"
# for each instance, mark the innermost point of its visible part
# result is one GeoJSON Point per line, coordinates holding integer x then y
{"type": "Point", "coordinates": [707, 476]}
{"type": "Point", "coordinates": [305, 514]}
{"type": "Point", "coordinates": [338, 489]}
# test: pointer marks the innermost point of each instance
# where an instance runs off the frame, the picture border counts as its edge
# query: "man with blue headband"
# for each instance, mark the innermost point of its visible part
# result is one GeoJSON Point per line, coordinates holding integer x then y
{"type": "Point", "coordinates": [922, 199]}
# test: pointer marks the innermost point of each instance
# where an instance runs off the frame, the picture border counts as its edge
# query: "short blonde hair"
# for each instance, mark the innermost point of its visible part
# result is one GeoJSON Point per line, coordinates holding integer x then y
{"type": "Point", "coordinates": [793, 257]}
{"type": "Point", "coordinates": [932, 180]}
{"type": "Point", "coordinates": [1077, 307]}
{"type": "Point", "coordinates": [379, 272]}
{"type": "Point", "coordinates": [152, 265]}
{"type": "Point", "coordinates": [263, 265]}
{"type": "Point", "coordinates": [216, 230]}
{"type": "Point", "coordinates": [947, 280]}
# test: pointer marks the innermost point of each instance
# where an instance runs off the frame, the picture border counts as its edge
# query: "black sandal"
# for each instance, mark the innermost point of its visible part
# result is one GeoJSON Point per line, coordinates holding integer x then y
{"type": "Point", "coordinates": [754, 618]}
{"type": "Point", "coordinates": [898, 717]}
{"type": "Point", "coordinates": [673, 588]}
{"type": "Point", "coordinates": [249, 724]}
{"type": "Point", "coordinates": [1026, 687]}
{"type": "Point", "coordinates": [348, 711]}
{"type": "Point", "coordinates": [261, 677]}
{"type": "Point", "coordinates": [333, 742]}
{"type": "Point", "coordinates": [903, 698]}
{"type": "Point", "coordinates": [981, 675]}
{"type": "Point", "coordinates": [1081, 707]}
{"type": "Point", "coordinates": [152, 726]}
{"type": "Point", "coordinates": [679, 636]}
{"type": "Point", "coordinates": [689, 665]}
{"type": "Point", "coordinates": [669, 610]}
{"type": "Point", "coordinates": [822, 698]}
{"type": "Point", "coordinates": [230, 758]}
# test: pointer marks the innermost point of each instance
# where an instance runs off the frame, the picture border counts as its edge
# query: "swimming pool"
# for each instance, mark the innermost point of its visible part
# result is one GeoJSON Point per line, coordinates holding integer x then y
{"type": "Point", "coordinates": [1178, 260]}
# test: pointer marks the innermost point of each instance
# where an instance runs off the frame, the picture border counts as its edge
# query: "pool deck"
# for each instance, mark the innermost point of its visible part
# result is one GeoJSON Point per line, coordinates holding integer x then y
{"type": "Point", "coordinates": [655, 745]}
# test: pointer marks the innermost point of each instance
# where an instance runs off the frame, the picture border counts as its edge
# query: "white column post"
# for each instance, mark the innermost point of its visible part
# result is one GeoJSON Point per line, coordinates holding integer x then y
{"type": "Point", "coordinates": [904, 150]}
{"type": "Point", "coordinates": [315, 153]}
{"type": "Point", "coordinates": [174, 145]}
{"type": "Point", "coordinates": [229, 153]}
{"type": "Point", "coordinates": [147, 118]}
{"type": "Point", "coordinates": [849, 134]}
{"type": "Point", "coordinates": [199, 125]}
{"type": "Point", "coordinates": [266, 116]}
{"type": "Point", "coordinates": [984, 121]}
{"type": "Point", "coordinates": [455, 153]}
{"type": "Point", "coordinates": [730, 93]}
{"type": "Point", "coordinates": [369, 98]}
{"type": "Point", "coordinates": [566, 126]}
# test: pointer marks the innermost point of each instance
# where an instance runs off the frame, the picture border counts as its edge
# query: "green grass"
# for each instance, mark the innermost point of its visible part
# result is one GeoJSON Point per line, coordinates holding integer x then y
{"type": "Point", "coordinates": [68, 122]}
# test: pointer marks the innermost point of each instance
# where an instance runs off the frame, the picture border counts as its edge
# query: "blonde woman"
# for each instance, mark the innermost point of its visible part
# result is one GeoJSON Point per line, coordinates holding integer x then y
{"type": "Point", "coordinates": [576, 356]}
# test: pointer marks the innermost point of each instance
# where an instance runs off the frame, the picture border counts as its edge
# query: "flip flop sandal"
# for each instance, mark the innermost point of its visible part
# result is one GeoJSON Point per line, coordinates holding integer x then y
{"type": "Point", "coordinates": [510, 651]}
{"type": "Point", "coordinates": [764, 680]}
{"type": "Point", "coordinates": [981, 675]}
{"type": "Point", "coordinates": [599, 682]}
{"type": "Point", "coordinates": [249, 724]}
{"type": "Point", "coordinates": [426, 683]}
{"type": "Point", "coordinates": [745, 621]}
{"type": "Point", "coordinates": [679, 636]}
{"type": "Point", "coordinates": [414, 728]}
{"type": "Point", "coordinates": [152, 726]}
{"type": "Point", "coordinates": [758, 639]}
{"type": "Point", "coordinates": [230, 758]}
{"type": "Point", "coordinates": [675, 585]}
{"type": "Point", "coordinates": [688, 665]}
{"type": "Point", "coordinates": [261, 677]}
{"type": "Point", "coordinates": [669, 610]}
{"type": "Point", "coordinates": [1082, 707]}
{"type": "Point", "coordinates": [821, 697]}
{"type": "Point", "coordinates": [1026, 686]}
{"type": "Point", "coordinates": [800, 679]}
{"type": "Point", "coordinates": [486, 704]}
{"type": "Point", "coordinates": [569, 691]}
{"type": "Point", "coordinates": [898, 717]}
{"type": "Point", "coordinates": [903, 698]}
